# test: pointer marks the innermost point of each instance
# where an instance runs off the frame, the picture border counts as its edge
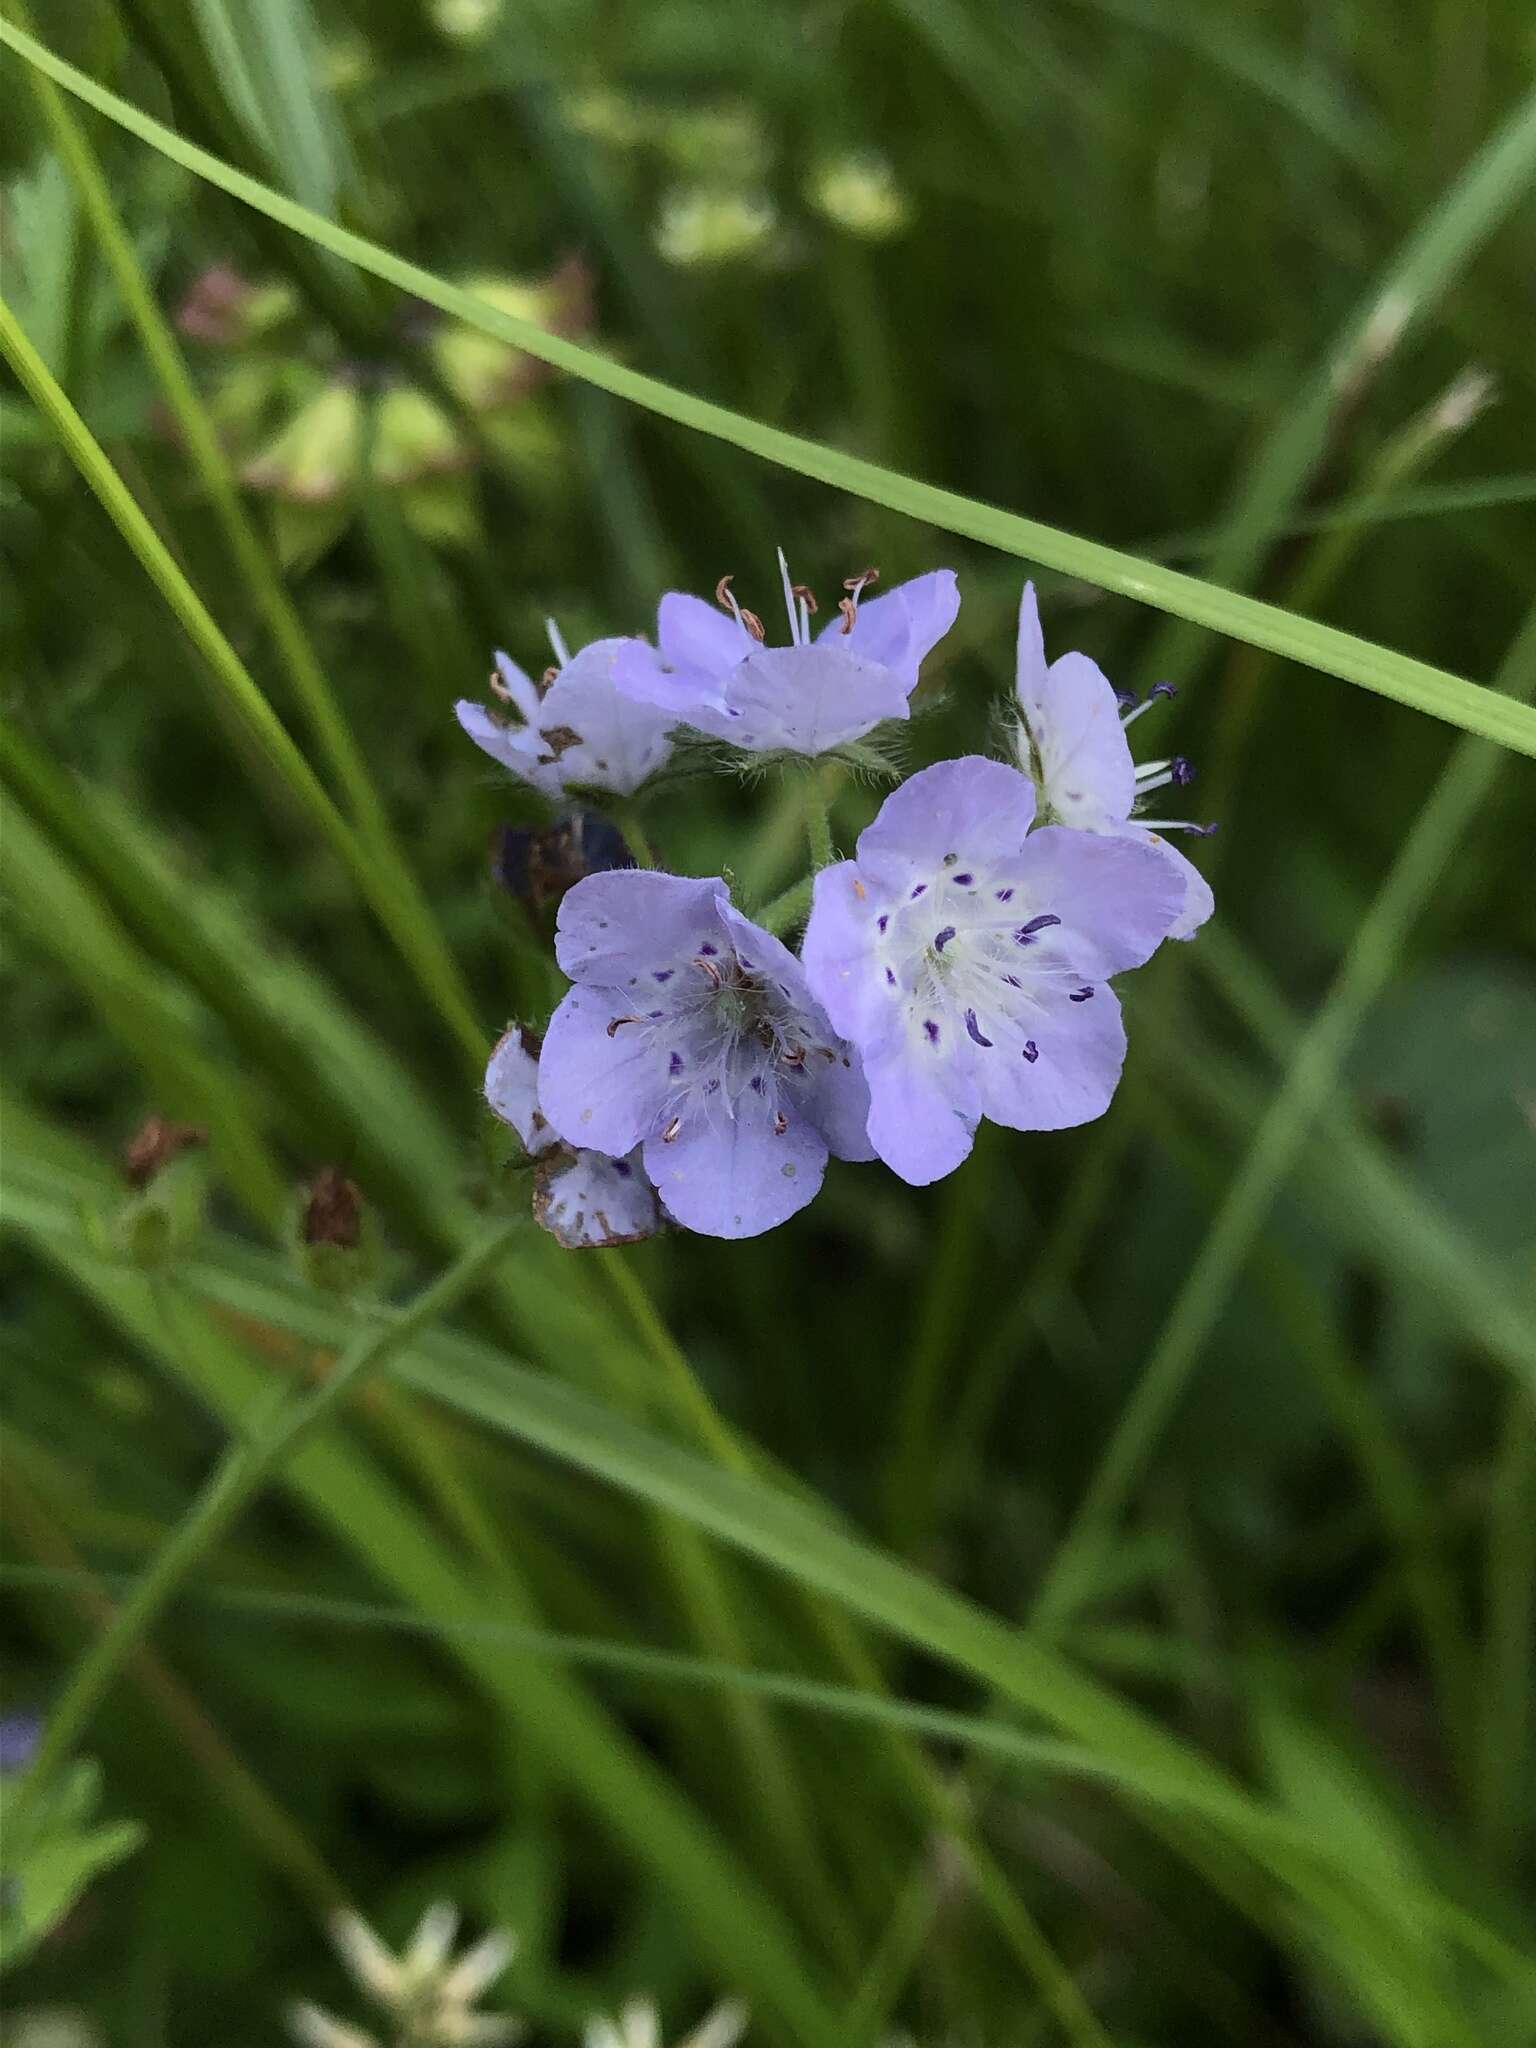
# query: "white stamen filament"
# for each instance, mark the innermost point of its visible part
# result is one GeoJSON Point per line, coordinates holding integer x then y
{"type": "Point", "coordinates": [557, 642]}
{"type": "Point", "coordinates": [799, 628]}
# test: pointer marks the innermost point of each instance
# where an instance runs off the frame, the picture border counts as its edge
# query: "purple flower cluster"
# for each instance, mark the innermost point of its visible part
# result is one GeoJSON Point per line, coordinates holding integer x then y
{"type": "Point", "coordinates": [956, 968]}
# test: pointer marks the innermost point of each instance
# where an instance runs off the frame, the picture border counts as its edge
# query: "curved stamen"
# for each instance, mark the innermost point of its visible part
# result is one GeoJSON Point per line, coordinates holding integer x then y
{"type": "Point", "coordinates": [789, 601]}
{"type": "Point", "coordinates": [855, 587]}
{"type": "Point", "coordinates": [1179, 825]}
{"type": "Point", "coordinates": [1157, 690]}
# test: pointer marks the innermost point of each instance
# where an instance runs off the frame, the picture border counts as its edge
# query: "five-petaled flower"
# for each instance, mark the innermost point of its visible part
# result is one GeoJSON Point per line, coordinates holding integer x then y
{"type": "Point", "coordinates": [715, 673]}
{"type": "Point", "coordinates": [966, 957]}
{"type": "Point", "coordinates": [581, 1197]}
{"type": "Point", "coordinates": [691, 1033]}
{"type": "Point", "coordinates": [575, 730]}
{"type": "Point", "coordinates": [1071, 743]}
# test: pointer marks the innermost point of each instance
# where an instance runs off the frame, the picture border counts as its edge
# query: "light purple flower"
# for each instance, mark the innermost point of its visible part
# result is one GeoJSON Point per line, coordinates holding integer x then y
{"type": "Point", "coordinates": [966, 957]}
{"type": "Point", "coordinates": [575, 730]}
{"type": "Point", "coordinates": [691, 1033]}
{"type": "Point", "coordinates": [583, 1198]}
{"type": "Point", "coordinates": [714, 672]}
{"type": "Point", "coordinates": [1071, 743]}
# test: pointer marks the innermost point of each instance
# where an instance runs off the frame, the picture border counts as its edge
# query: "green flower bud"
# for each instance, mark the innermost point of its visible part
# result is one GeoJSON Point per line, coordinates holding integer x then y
{"type": "Point", "coordinates": [858, 192]}
{"type": "Point", "coordinates": [314, 458]}
{"type": "Point", "coordinates": [701, 225]}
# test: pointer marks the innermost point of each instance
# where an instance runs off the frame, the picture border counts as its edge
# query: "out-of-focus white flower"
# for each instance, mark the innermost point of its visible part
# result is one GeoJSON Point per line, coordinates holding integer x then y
{"type": "Point", "coordinates": [704, 224]}
{"type": "Point", "coordinates": [465, 19]}
{"type": "Point", "coordinates": [858, 191]}
{"type": "Point", "coordinates": [639, 2026]}
{"type": "Point", "coordinates": [427, 1994]}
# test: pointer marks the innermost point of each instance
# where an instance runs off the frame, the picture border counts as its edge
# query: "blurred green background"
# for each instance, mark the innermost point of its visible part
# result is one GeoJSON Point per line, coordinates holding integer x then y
{"type": "Point", "coordinates": [1222, 1409]}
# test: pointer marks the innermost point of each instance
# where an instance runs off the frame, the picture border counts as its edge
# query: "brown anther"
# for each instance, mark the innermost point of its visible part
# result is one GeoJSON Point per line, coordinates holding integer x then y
{"type": "Point", "coordinates": [155, 1144]}
{"type": "Point", "coordinates": [859, 889]}
{"type": "Point", "coordinates": [857, 583]}
{"type": "Point", "coordinates": [723, 596]}
{"type": "Point", "coordinates": [780, 1124]}
{"type": "Point", "coordinates": [850, 612]}
{"type": "Point", "coordinates": [709, 968]}
{"type": "Point", "coordinates": [499, 688]}
{"type": "Point", "coordinates": [549, 675]}
{"type": "Point", "coordinates": [672, 1130]}
{"type": "Point", "coordinates": [806, 595]}
{"type": "Point", "coordinates": [828, 1054]}
{"type": "Point", "coordinates": [795, 1057]}
{"type": "Point", "coordinates": [753, 624]}
{"type": "Point", "coordinates": [615, 1022]}
{"type": "Point", "coordinates": [333, 1210]}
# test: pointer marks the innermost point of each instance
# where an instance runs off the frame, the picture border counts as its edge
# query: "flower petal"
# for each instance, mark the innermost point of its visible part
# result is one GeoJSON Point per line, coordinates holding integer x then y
{"type": "Point", "coordinates": [519, 748]}
{"type": "Point", "coordinates": [512, 1090]}
{"type": "Point", "coordinates": [838, 1105]}
{"type": "Point", "coordinates": [621, 741]}
{"type": "Point", "coordinates": [808, 700]}
{"type": "Point", "coordinates": [602, 1090]}
{"type": "Point", "coordinates": [1117, 897]}
{"type": "Point", "coordinates": [899, 629]}
{"type": "Point", "coordinates": [1075, 738]}
{"type": "Point", "coordinates": [1199, 900]}
{"type": "Point", "coordinates": [694, 635]}
{"type": "Point", "coordinates": [591, 1200]}
{"type": "Point", "coordinates": [839, 954]}
{"type": "Point", "coordinates": [923, 1112]}
{"type": "Point", "coordinates": [623, 928]}
{"type": "Point", "coordinates": [519, 686]}
{"type": "Point", "coordinates": [735, 1176]}
{"type": "Point", "coordinates": [972, 809]}
{"type": "Point", "coordinates": [1079, 1051]}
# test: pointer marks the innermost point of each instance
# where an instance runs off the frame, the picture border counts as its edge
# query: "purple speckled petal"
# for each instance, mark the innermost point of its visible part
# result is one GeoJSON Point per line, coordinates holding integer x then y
{"type": "Point", "coordinates": [512, 1090]}
{"type": "Point", "coordinates": [839, 953]}
{"type": "Point", "coordinates": [601, 1089]}
{"type": "Point", "coordinates": [623, 928]}
{"type": "Point", "coordinates": [899, 629]}
{"type": "Point", "coordinates": [1117, 898]}
{"type": "Point", "coordinates": [973, 809]}
{"type": "Point", "coordinates": [922, 1114]}
{"type": "Point", "coordinates": [736, 1176]}
{"type": "Point", "coordinates": [586, 1200]}
{"type": "Point", "coordinates": [1079, 1050]}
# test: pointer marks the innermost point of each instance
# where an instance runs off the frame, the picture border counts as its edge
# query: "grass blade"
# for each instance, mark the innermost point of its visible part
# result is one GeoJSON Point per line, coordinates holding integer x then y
{"type": "Point", "coordinates": [1421, 686]}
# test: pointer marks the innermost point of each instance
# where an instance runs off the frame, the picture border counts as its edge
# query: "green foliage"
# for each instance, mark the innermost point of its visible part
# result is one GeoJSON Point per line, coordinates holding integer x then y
{"type": "Point", "coordinates": [1088, 1601]}
{"type": "Point", "coordinates": [51, 1858]}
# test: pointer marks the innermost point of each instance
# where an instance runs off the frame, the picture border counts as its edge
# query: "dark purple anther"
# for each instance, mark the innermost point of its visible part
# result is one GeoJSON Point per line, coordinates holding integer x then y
{"type": "Point", "coordinates": [942, 939]}
{"type": "Point", "coordinates": [1206, 831]}
{"type": "Point", "coordinates": [1026, 932]}
{"type": "Point", "coordinates": [1031, 1051]}
{"type": "Point", "coordinates": [973, 1029]}
{"type": "Point", "coordinates": [1161, 690]}
{"type": "Point", "coordinates": [664, 973]}
{"type": "Point", "coordinates": [931, 1030]}
{"type": "Point", "coordinates": [964, 881]}
{"type": "Point", "coordinates": [1080, 995]}
{"type": "Point", "coordinates": [1005, 895]}
{"type": "Point", "coordinates": [1126, 699]}
{"type": "Point", "coordinates": [622, 1168]}
{"type": "Point", "coordinates": [1181, 771]}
